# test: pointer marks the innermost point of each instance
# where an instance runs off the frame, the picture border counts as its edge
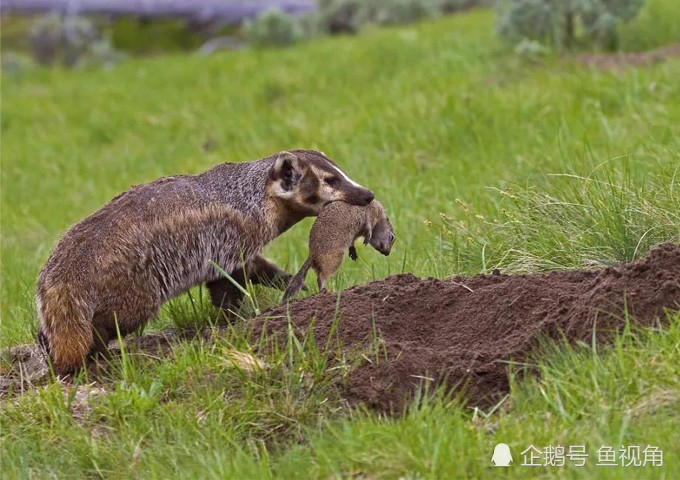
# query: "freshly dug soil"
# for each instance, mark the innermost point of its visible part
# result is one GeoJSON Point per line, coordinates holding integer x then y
{"type": "Point", "coordinates": [461, 332]}
{"type": "Point", "coordinates": [457, 333]}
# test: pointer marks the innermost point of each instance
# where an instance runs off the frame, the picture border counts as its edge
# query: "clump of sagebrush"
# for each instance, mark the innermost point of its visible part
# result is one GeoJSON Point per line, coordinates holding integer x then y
{"type": "Point", "coordinates": [311, 25]}
{"type": "Point", "coordinates": [14, 62]}
{"type": "Point", "coordinates": [391, 12]}
{"type": "Point", "coordinates": [575, 222]}
{"type": "Point", "coordinates": [345, 16]}
{"type": "Point", "coordinates": [448, 6]}
{"type": "Point", "coordinates": [337, 16]}
{"type": "Point", "coordinates": [530, 50]}
{"type": "Point", "coordinates": [273, 28]}
{"type": "Point", "coordinates": [564, 23]}
{"type": "Point", "coordinates": [70, 41]}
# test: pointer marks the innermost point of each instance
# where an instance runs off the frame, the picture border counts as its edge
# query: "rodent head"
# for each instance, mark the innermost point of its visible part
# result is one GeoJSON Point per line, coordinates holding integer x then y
{"type": "Point", "coordinates": [380, 233]}
{"type": "Point", "coordinates": [306, 180]}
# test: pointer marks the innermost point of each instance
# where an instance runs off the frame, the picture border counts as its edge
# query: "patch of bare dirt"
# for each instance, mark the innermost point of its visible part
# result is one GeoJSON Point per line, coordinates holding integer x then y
{"type": "Point", "coordinates": [610, 61]}
{"type": "Point", "coordinates": [25, 367]}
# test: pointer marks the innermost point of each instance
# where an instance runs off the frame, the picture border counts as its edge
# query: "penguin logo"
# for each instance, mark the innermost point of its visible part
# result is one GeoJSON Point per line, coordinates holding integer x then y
{"type": "Point", "coordinates": [501, 455]}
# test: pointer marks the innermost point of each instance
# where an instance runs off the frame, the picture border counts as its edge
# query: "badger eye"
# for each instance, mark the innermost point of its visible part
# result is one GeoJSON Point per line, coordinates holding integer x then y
{"type": "Point", "coordinates": [332, 181]}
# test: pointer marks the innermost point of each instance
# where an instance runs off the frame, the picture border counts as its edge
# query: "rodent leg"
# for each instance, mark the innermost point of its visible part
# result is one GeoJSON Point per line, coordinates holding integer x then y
{"type": "Point", "coordinates": [326, 266]}
{"type": "Point", "coordinates": [353, 253]}
{"type": "Point", "coordinates": [321, 282]}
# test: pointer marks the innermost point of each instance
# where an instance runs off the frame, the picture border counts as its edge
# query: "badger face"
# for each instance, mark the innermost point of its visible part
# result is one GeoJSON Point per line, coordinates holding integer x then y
{"type": "Point", "coordinates": [306, 180]}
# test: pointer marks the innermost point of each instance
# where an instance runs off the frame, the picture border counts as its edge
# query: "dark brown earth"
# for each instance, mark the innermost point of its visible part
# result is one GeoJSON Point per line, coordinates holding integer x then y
{"type": "Point", "coordinates": [464, 330]}
{"type": "Point", "coordinates": [608, 61]}
{"type": "Point", "coordinates": [460, 333]}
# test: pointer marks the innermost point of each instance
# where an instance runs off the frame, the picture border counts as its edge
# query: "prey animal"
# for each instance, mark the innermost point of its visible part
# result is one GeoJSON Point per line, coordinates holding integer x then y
{"type": "Point", "coordinates": [335, 230]}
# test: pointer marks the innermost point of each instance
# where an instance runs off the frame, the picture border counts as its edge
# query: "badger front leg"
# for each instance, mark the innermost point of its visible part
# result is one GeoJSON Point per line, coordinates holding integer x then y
{"type": "Point", "coordinates": [227, 296]}
{"type": "Point", "coordinates": [261, 270]}
{"type": "Point", "coordinates": [224, 294]}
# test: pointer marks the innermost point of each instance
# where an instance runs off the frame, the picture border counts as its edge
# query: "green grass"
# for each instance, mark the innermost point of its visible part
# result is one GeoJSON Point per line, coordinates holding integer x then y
{"type": "Point", "coordinates": [481, 160]}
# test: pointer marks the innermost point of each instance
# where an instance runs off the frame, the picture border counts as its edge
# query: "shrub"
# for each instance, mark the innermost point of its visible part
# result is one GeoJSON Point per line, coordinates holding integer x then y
{"type": "Point", "coordinates": [557, 21]}
{"type": "Point", "coordinates": [71, 41]}
{"type": "Point", "coordinates": [311, 25]}
{"type": "Point", "coordinates": [530, 50]}
{"type": "Point", "coordinates": [339, 16]}
{"type": "Point", "coordinates": [448, 6]}
{"type": "Point", "coordinates": [272, 28]}
{"type": "Point", "coordinates": [391, 12]}
{"type": "Point", "coordinates": [601, 18]}
{"type": "Point", "coordinates": [13, 62]}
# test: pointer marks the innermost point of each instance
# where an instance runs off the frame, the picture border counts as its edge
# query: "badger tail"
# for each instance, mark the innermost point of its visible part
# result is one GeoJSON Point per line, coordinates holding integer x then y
{"type": "Point", "coordinates": [297, 282]}
{"type": "Point", "coordinates": [65, 327]}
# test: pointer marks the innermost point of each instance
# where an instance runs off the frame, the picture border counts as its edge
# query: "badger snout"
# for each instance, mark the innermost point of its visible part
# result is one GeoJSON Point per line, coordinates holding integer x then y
{"type": "Point", "coordinates": [359, 197]}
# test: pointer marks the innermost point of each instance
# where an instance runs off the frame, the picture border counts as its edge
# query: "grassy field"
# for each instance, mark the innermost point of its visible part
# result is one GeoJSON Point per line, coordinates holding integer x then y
{"type": "Point", "coordinates": [482, 161]}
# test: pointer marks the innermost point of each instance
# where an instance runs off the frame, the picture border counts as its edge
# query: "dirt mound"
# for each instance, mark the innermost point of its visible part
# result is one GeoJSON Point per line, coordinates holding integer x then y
{"type": "Point", "coordinates": [463, 330]}
{"type": "Point", "coordinates": [608, 61]}
{"type": "Point", "coordinates": [459, 332]}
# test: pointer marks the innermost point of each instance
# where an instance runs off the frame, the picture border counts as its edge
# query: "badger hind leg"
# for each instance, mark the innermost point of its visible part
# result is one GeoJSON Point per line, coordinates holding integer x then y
{"type": "Point", "coordinates": [65, 328]}
{"type": "Point", "coordinates": [105, 329]}
{"type": "Point", "coordinates": [108, 327]}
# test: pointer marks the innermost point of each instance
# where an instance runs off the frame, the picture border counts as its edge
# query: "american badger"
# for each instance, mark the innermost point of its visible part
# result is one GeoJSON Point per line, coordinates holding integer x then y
{"type": "Point", "coordinates": [156, 241]}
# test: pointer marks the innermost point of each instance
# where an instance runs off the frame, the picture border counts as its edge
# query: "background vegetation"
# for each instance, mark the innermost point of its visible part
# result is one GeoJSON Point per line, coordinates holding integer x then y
{"type": "Point", "coordinates": [482, 159]}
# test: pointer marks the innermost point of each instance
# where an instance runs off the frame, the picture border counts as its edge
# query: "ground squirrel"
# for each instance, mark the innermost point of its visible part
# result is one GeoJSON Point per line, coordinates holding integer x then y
{"type": "Point", "coordinates": [156, 241]}
{"type": "Point", "coordinates": [335, 230]}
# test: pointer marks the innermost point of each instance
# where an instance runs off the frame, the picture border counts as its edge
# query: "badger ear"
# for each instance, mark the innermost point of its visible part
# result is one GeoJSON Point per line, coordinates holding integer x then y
{"type": "Point", "coordinates": [287, 169]}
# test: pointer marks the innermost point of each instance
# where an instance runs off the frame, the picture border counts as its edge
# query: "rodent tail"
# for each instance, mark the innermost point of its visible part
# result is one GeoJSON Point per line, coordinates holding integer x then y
{"type": "Point", "coordinates": [297, 282]}
{"type": "Point", "coordinates": [65, 327]}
